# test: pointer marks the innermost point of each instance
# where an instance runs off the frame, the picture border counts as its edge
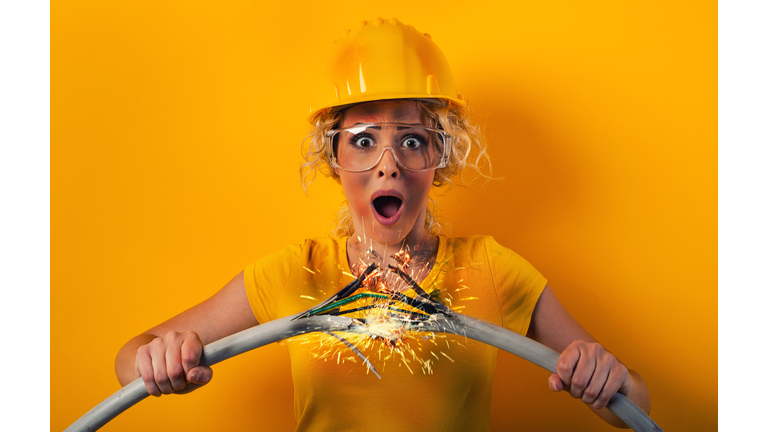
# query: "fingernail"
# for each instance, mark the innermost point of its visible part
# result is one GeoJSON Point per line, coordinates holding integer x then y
{"type": "Point", "coordinates": [194, 376]}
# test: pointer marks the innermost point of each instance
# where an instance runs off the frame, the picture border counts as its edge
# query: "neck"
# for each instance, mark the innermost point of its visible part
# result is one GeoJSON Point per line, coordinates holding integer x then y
{"type": "Point", "coordinates": [363, 250]}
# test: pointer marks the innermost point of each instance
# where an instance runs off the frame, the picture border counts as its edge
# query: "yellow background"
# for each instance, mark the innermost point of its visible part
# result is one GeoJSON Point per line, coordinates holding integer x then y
{"type": "Point", "coordinates": [175, 136]}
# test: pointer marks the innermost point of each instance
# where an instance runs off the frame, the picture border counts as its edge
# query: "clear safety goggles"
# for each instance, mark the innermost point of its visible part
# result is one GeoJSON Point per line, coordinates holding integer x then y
{"type": "Point", "coordinates": [414, 147]}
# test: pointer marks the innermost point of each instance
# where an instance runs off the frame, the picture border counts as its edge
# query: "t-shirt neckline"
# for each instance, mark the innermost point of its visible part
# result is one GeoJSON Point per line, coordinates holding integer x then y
{"type": "Point", "coordinates": [428, 281]}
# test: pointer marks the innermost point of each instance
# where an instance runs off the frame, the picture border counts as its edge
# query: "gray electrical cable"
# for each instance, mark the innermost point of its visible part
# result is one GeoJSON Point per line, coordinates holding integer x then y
{"type": "Point", "coordinates": [230, 346]}
{"type": "Point", "coordinates": [535, 353]}
{"type": "Point", "coordinates": [285, 328]}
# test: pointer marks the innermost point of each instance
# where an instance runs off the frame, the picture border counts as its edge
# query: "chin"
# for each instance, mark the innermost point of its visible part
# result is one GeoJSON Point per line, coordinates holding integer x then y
{"type": "Point", "coordinates": [389, 234]}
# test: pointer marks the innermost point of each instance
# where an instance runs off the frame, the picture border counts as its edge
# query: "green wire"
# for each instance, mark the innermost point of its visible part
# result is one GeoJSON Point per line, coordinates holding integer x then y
{"type": "Point", "coordinates": [335, 304]}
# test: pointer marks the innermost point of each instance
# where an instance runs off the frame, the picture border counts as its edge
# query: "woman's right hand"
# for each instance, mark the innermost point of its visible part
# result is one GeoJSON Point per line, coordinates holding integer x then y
{"type": "Point", "coordinates": [168, 361]}
{"type": "Point", "coordinates": [171, 364]}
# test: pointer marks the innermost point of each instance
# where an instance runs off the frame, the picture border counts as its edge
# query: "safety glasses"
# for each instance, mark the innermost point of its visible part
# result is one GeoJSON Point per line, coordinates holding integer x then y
{"type": "Point", "coordinates": [361, 147]}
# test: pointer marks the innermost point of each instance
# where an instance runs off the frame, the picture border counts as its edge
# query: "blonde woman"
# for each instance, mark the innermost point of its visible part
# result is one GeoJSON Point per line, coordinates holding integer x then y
{"type": "Point", "coordinates": [389, 127]}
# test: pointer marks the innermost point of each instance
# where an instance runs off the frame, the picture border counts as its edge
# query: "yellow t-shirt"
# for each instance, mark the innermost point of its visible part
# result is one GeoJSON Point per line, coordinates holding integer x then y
{"type": "Point", "coordinates": [482, 278]}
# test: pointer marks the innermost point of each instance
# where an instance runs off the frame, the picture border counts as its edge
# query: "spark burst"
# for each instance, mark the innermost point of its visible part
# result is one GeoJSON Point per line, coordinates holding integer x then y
{"type": "Point", "coordinates": [388, 307]}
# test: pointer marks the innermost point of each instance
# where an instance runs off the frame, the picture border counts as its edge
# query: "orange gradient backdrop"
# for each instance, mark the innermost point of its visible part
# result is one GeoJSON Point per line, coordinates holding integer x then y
{"type": "Point", "coordinates": [175, 146]}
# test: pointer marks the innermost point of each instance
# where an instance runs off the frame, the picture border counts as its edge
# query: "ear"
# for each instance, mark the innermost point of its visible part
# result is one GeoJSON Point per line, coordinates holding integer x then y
{"type": "Point", "coordinates": [336, 170]}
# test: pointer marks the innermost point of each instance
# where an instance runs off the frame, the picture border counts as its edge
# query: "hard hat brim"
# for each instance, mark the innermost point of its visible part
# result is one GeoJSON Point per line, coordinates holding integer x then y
{"type": "Point", "coordinates": [438, 100]}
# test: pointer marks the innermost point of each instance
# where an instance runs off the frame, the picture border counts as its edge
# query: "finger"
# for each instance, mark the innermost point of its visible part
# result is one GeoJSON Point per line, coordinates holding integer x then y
{"type": "Point", "coordinates": [176, 374]}
{"type": "Point", "coordinates": [612, 384]}
{"type": "Point", "coordinates": [144, 366]}
{"type": "Point", "coordinates": [626, 378]}
{"type": "Point", "coordinates": [596, 383]}
{"type": "Point", "coordinates": [160, 373]}
{"type": "Point", "coordinates": [566, 364]}
{"type": "Point", "coordinates": [555, 383]}
{"type": "Point", "coordinates": [189, 388]}
{"type": "Point", "coordinates": [191, 350]}
{"type": "Point", "coordinates": [197, 378]}
{"type": "Point", "coordinates": [582, 375]}
{"type": "Point", "coordinates": [200, 375]}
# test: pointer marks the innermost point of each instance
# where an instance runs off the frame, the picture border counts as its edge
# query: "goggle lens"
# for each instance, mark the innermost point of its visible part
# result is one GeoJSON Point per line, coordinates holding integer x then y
{"type": "Point", "coordinates": [361, 147]}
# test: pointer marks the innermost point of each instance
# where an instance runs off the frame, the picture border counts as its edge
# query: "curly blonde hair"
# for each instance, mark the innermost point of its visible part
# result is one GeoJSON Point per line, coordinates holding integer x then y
{"type": "Point", "coordinates": [468, 153]}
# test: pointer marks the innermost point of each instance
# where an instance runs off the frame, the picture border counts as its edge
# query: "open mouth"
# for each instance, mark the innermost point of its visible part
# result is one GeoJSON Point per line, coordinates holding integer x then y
{"type": "Point", "coordinates": [387, 206]}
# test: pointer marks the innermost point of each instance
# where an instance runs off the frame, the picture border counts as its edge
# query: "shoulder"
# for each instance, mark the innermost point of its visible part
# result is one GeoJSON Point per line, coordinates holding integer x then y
{"type": "Point", "coordinates": [323, 254]}
{"type": "Point", "coordinates": [477, 246]}
{"type": "Point", "coordinates": [305, 249]}
{"type": "Point", "coordinates": [469, 242]}
{"type": "Point", "coordinates": [323, 243]}
{"type": "Point", "coordinates": [504, 264]}
{"type": "Point", "coordinates": [293, 267]}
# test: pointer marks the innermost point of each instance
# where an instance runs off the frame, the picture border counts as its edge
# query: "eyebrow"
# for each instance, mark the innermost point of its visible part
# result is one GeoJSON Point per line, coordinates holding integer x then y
{"type": "Point", "coordinates": [410, 125]}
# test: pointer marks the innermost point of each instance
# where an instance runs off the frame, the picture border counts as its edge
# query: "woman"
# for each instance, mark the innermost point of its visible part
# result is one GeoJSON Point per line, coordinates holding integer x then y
{"type": "Point", "coordinates": [389, 126]}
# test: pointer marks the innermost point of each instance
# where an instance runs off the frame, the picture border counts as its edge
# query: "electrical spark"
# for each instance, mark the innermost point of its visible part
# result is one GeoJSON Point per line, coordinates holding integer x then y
{"type": "Point", "coordinates": [386, 306]}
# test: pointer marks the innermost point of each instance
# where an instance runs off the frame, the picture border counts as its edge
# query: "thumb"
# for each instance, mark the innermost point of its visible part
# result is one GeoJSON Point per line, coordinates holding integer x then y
{"type": "Point", "coordinates": [555, 383]}
{"type": "Point", "coordinates": [200, 375]}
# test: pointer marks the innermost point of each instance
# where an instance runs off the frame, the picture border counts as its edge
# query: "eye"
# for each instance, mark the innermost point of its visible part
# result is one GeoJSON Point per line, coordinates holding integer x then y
{"type": "Point", "coordinates": [362, 141]}
{"type": "Point", "coordinates": [413, 142]}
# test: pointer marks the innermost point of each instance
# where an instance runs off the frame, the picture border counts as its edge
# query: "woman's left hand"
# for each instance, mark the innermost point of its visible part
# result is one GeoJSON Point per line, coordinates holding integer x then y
{"type": "Point", "coordinates": [590, 373]}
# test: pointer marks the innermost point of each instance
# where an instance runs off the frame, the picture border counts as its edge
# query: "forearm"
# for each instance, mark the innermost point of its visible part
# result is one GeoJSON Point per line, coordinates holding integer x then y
{"type": "Point", "coordinates": [125, 362]}
{"type": "Point", "coordinates": [639, 395]}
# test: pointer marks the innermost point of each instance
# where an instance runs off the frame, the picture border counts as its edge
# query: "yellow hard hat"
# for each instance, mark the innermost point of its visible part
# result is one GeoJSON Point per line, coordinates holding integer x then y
{"type": "Point", "coordinates": [384, 59]}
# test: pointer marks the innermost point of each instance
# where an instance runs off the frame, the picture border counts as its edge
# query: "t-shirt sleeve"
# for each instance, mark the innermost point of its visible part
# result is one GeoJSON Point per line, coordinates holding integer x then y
{"type": "Point", "coordinates": [518, 285]}
{"type": "Point", "coordinates": [265, 280]}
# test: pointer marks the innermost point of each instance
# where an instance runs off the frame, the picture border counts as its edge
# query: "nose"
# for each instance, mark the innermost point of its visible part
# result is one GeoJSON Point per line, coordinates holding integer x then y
{"type": "Point", "coordinates": [387, 166]}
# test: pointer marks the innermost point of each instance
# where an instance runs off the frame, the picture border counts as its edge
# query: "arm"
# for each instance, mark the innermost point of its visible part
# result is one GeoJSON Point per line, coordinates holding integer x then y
{"type": "Point", "coordinates": [167, 355]}
{"type": "Point", "coordinates": [585, 368]}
